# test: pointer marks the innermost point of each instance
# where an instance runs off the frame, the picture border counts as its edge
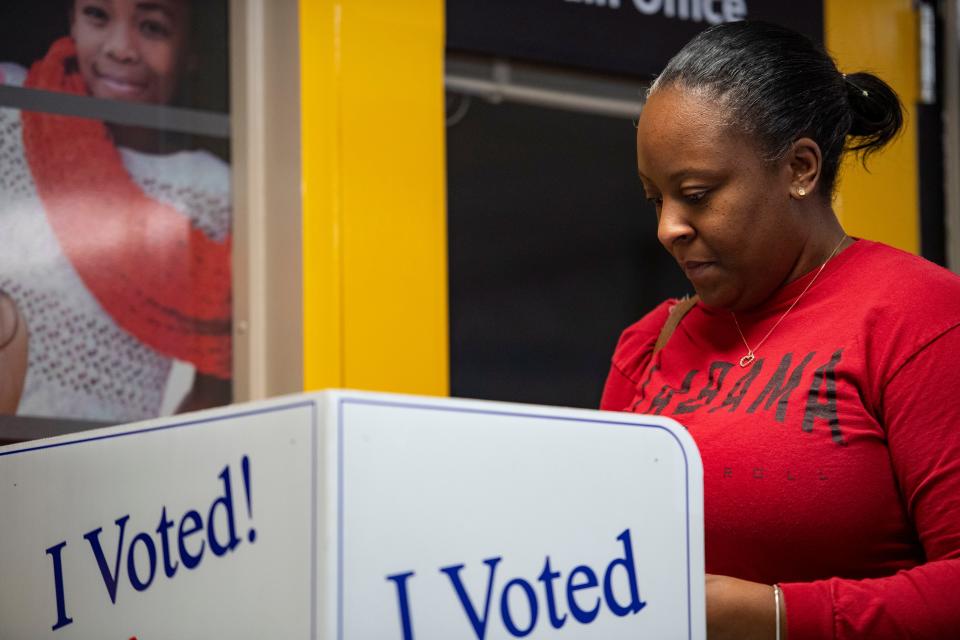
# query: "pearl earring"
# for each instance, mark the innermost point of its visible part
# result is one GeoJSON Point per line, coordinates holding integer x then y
{"type": "Point", "coordinates": [801, 191]}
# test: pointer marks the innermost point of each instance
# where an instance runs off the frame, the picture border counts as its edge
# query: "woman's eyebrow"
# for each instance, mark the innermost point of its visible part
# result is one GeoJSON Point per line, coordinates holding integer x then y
{"type": "Point", "coordinates": [686, 172]}
{"type": "Point", "coordinates": [155, 5]}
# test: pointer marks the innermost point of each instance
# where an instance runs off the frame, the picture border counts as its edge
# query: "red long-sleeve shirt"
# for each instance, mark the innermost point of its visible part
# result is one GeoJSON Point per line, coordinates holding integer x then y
{"type": "Point", "coordinates": [832, 462]}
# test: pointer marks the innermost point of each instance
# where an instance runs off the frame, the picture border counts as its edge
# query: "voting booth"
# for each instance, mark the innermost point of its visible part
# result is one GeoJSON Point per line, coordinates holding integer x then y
{"type": "Point", "coordinates": [345, 515]}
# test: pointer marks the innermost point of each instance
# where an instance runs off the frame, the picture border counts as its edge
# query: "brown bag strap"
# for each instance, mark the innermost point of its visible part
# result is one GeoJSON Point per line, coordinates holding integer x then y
{"type": "Point", "coordinates": [677, 313]}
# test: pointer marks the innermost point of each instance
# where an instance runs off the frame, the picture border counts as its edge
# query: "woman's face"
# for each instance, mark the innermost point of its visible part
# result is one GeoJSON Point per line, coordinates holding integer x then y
{"type": "Point", "coordinates": [131, 50]}
{"type": "Point", "coordinates": [723, 212]}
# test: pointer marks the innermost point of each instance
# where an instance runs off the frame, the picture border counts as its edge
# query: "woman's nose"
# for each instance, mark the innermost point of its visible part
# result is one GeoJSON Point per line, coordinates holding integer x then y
{"type": "Point", "coordinates": [121, 44]}
{"type": "Point", "coordinates": [673, 227]}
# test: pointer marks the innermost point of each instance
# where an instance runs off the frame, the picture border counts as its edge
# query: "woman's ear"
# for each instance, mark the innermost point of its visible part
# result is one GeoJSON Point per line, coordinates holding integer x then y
{"type": "Point", "coordinates": [805, 161]}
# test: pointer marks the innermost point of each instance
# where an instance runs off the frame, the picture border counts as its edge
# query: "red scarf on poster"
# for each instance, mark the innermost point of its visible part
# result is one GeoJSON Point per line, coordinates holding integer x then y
{"type": "Point", "coordinates": [160, 279]}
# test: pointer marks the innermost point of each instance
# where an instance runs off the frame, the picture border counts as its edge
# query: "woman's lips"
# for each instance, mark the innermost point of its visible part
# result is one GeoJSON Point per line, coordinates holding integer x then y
{"type": "Point", "coordinates": [695, 269]}
{"type": "Point", "coordinates": [121, 86]}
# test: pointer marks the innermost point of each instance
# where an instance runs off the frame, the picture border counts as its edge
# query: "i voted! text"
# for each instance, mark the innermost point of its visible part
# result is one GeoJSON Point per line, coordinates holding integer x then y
{"type": "Point", "coordinates": [138, 556]}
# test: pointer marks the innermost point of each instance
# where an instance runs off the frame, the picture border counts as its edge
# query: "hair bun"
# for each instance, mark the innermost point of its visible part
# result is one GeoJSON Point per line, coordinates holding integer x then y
{"type": "Point", "coordinates": [877, 115]}
{"type": "Point", "coordinates": [779, 86]}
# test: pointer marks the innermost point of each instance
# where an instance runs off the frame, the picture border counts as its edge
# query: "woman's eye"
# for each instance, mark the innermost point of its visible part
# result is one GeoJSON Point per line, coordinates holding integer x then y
{"type": "Point", "coordinates": [95, 14]}
{"type": "Point", "coordinates": [657, 202]}
{"type": "Point", "coordinates": [154, 29]}
{"type": "Point", "coordinates": [695, 196]}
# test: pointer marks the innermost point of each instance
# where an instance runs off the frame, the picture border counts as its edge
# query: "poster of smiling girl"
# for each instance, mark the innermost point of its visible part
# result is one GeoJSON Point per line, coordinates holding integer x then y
{"type": "Point", "coordinates": [115, 240]}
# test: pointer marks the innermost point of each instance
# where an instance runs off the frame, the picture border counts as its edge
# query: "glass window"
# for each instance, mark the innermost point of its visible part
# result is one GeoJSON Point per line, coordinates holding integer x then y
{"type": "Point", "coordinates": [553, 250]}
{"type": "Point", "coordinates": [115, 208]}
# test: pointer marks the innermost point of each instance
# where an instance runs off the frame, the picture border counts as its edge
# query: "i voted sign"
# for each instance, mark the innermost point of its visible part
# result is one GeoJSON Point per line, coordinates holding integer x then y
{"type": "Point", "coordinates": [351, 515]}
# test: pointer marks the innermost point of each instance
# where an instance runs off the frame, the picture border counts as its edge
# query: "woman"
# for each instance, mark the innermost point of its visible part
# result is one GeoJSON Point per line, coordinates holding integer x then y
{"type": "Point", "coordinates": [815, 371]}
{"type": "Point", "coordinates": [116, 247]}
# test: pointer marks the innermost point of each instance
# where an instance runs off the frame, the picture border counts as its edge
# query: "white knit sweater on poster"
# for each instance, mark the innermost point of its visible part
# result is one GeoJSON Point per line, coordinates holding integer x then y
{"type": "Point", "coordinates": [81, 364]}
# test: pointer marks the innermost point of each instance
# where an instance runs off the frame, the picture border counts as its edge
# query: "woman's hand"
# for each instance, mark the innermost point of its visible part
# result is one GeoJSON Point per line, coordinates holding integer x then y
{"type": "Point", "coordinates": [207, 391]}
{"type": "Point", "coordinates": [13, 354]}
{"type": "Point", "coordinates": [740, 610]}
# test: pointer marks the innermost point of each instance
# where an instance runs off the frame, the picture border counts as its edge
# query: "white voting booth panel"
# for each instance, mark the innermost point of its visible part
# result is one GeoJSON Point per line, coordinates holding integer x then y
{"type": "Point", "coordinates": [345, 515]}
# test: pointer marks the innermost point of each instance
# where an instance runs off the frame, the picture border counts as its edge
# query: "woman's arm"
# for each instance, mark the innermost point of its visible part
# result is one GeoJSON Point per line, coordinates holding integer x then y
{"type": "Point", "coordinates": [921, 414]}
{"type": "Point", "coordinates": [13, 354]}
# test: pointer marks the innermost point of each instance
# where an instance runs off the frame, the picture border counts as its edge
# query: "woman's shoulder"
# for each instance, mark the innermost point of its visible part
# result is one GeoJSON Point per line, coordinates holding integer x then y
{"type": "Point", "coordinates": [905, 301]}
{"type": "Point", "coordinates": [899, 277]}
{"type": "Point", "coordinates": [636, 342]}
{"type": "Point", "coordinates": [198, 168]}
{"type": "Point", "coordinates": [196, 183]}
{"type": "Point", "coordinates": [12, 74]}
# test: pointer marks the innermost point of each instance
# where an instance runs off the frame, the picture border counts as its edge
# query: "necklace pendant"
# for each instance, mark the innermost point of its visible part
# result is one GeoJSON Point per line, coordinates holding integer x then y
{"type": "Point", "coordinates": [747, 359]}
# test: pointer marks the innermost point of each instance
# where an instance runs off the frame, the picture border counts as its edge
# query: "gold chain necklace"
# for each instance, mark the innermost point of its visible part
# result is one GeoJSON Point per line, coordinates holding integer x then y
{"type": "Point", "coordinates": [751, 354]}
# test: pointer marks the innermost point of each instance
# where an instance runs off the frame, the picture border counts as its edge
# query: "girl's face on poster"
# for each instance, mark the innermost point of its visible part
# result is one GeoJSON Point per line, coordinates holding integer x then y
{"type": "Point", "coordinates": [132, 50]}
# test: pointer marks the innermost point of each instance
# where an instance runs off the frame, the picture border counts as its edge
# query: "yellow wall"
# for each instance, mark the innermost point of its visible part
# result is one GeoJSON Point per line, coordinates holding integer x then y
{"type": "Point", "coordinates": [374, 193]}
{"type": "Point", "coordinates": [880, 36]}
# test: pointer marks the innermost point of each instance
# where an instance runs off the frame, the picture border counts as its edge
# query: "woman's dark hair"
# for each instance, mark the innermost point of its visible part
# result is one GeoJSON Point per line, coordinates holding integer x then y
{"type": "Point", "coordinates": [778, 86]}
{"type": "Point", "coordinates": [207, 87]}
